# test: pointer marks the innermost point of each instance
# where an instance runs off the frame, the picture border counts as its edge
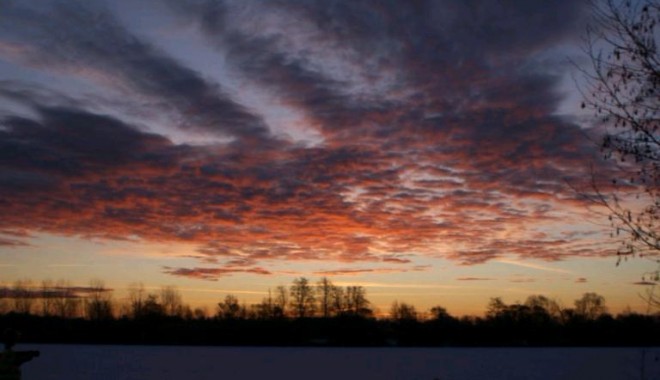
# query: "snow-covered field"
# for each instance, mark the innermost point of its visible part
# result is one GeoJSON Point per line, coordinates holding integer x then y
{"type": "Point", "coordinates": [197, 363]}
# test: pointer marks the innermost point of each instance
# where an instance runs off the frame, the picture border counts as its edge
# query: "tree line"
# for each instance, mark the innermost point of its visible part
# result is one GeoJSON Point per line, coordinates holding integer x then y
{"type": "Point", "coordinates": [302, 299]}
{"type": "Point", "coordinates": [306, 313]}
{"type": "Point", "coordinates": [93, 302]}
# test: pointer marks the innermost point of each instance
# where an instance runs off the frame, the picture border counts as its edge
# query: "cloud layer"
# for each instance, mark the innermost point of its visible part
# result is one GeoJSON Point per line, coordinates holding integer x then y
{"type": "Point", "coordinates": [437, 122]}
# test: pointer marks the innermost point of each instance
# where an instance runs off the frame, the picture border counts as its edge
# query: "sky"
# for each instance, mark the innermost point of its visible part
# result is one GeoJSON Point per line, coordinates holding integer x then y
{"type": "Point", "coordinates": [430, 151]}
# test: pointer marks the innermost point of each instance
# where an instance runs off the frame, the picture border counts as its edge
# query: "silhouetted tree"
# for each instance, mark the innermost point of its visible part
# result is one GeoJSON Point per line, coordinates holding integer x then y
{"type": "Point", "coordinates": [136, 299]}
{"type": "Point", "coordinates": [281, 301]}
{"type": "Point", "coordinates": [338, 300]}
{"type": "Point", "coordinates": [269, 308]}
{"type": "Point", "coordinates": [542, 304]}
{"type": "Point", "coordinates": [230, 308]}
{"type": "Point", "coordinates": [98, 304]}
{"type": "Point", "coordinates": [324, 290]}
{"type": "Point", "coordinates": [495, 307]}
{"type": "Point", "coordinates": [23, 296]}
{"type": "Point", "coordinates": [517, 324]}
{"type": "Point", "coordinates": [514, 313]}
{"type": "Point", "coordinates": [200, 313]}
{"type": "Point", "coordinates": [530, 319]}
{"type": "Point", "coordinates": [624, 94]}
{"type": "Point", "coordinates": [265, 309]}
{"type": "Point", "coordinates": [66, 304]}
{"type": "Point", "coordinates": [171, 299]}
{"type": "Point", "coordinates": [590, 306]}
{"type": "Point", "coordinates": [151, 309]}
{"type": "Point", "coordinates": [46, 295]}
{"type": "Point", "coordinates": [4, 305]}
{"type": "Point", "coordinates": [302, 298]}
{"type": "Point", "coordinates": [401, 311]}
{"type": "Point", "coordinates": [439, 313]}
{"type": "Point", "coordinates": [356, 301]}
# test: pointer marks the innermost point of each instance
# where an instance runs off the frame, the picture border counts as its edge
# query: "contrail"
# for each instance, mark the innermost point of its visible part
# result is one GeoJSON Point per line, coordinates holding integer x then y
{"type": "Point", "coordinates": [532, 266]}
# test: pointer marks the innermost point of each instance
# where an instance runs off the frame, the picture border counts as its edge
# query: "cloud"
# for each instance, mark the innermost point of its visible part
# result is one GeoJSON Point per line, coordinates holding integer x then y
{"type": "Point", "coordinates": [352, 272]}
{"type": "Point", "coordinates": [91, 42]}
{"type": "Point", "coordinates": [439, 133]}
{"type": "Point", "coordinates": [473, 279]}
{"type": "Point", "coordinates": [522, 280]}
{"type": "Point", "coordinates": [4, 242]}
{"type": "Point", "coordinates": [23, 291]}
{"type": "Point", "coordinates": [360, 271]}
{"type": "Point", "coordinates": [396, 260]}
{"type": "Point", "coordinates": [18, 233]}
{"type": "Point", "coordinates": [580, 280]}
{"type": "Point", "coordinates": [212, 274]}
{"type": "Point", "coordinates": [544, 268]}
{"type": "Point", "coordinates": [74, 142]}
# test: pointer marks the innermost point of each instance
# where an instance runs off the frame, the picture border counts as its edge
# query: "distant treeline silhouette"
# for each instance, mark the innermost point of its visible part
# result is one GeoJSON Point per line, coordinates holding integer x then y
{"type": "Point", "coordinates": [307, 314]}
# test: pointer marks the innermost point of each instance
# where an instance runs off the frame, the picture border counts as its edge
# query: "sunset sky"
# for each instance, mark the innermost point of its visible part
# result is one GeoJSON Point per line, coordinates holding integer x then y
{"type": "Point", "coordinates": [431, 152]}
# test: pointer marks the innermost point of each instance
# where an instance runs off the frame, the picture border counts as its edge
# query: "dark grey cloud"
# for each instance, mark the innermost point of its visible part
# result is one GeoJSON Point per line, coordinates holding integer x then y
{"type": "Point", "coordinates": [80, 36]}
{"type": "Point", "coordinates": [432, 35]}
{"type": "Point", "coordinates": [467, 67]}
{"type": "Point", "coordinates": [34, 292]}
{"type": "Point", "coordinates": [72, 142]}
{"type": "Point", "coordinates": [212, 274]}
{"type": "Point", "coordinates": [261, 59]}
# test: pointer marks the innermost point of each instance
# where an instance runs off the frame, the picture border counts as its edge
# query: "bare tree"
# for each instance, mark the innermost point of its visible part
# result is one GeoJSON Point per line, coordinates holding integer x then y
{"type": "Point", "coordinates": [324, 290]}
{"type": "Point", "coordinates": [302, 298]}
{"type": "Point", "coordinates": [356, 301]}
{"type": "Point", "coordinates": [98, 304]}
{"type": "Point", "coordinates": [229, 308]}
{"type": "Point", "coordinates": [338, 300]}
{"type": "Point", "coordinates": [401, 311]}
{"type": "Point", "coordinates": [172, 302]}
{"type": "Point", "coordinates": [23, 296]}
{"type": "Point", "coordinates": [590, 306]}
{"type": "Point", "coordinates": [4, 306]}
{"type": "Point", "coordinates": [269, 308]}
{"type": "Point", "coordinates": [439, 313]}
{"type": "Point", "coordinates": [538, 302]}
{"type": "Point", "coordinates": [281, 301]}
{"type": "Point", "coordinates": [495, 307]}
{"type": "Point", "coordinates": [136, 299]}
{"type": "Point", "coordinates": [152, 308]}
{"type": "Point", "coordinates": [200, 313]}
{"type": "Point", "coordinates": [264, 309]}
{"type": "Point", "coordinates": [623, 93]}
{"type": "Point", "coordinates": [66, 303]}
{"type": "Point", "coordinates": [47, 295]}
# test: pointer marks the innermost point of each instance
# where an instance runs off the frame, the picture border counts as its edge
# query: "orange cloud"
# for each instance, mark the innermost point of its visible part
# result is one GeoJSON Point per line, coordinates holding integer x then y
{"type": "Point", "coordinates": [432, 144]}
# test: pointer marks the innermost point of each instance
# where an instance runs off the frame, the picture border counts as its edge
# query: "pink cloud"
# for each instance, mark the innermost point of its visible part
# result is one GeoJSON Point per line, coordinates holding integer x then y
{"type": "Point", "coordinates": [421, 156]}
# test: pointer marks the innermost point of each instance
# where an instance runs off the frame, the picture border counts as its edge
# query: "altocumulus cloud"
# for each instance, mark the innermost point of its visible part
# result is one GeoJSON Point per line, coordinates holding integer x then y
{"type": "Point", "coordinates": [437, 122]}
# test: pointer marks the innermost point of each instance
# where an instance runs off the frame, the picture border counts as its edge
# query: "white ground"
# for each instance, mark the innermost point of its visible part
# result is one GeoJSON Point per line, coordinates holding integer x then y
{"type": "Point", "coordinates": [74, 362]}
